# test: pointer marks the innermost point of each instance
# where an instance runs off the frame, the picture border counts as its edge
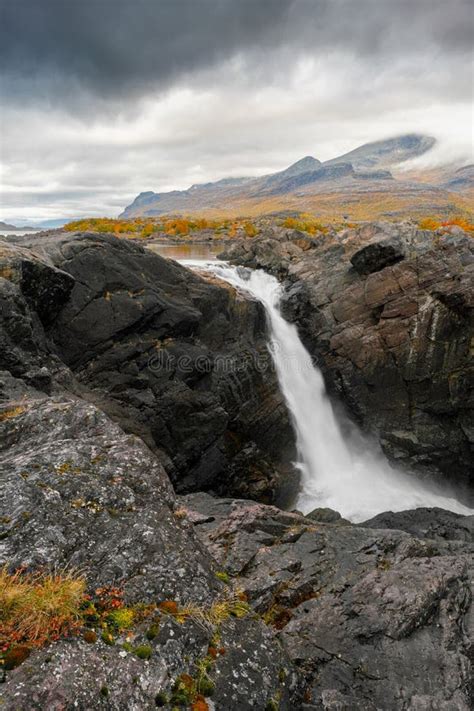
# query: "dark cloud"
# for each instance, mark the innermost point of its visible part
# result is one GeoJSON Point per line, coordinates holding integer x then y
{"type": "Point", "coordinates": [125, 48]}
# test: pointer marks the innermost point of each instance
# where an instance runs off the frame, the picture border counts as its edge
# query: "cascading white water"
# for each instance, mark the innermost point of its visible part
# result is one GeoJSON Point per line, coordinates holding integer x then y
{"type": "Point", "coordinates": [343, 473]}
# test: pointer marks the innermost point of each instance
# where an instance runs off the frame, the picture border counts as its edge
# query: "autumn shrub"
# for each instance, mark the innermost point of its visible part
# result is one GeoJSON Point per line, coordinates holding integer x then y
{"type": "Point", "coordinates": [428, 223]}
{"type": "Point", "coordinates": [250, 229]}
{"type": "Point", "coordinates": [145, 227]}
{"type": "Point", "coordinates": [459, 222]}
{"type": "Point", "coordinates": [305, 223]}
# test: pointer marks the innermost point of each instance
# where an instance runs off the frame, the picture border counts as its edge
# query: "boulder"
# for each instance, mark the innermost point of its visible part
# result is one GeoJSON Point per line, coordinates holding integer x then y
{"type": "Point", "coordinates": [377, 256]}
{"type": "Point", "coordinates": [435, 524]}
{"type": "Point", "coordinates": [326, 515]}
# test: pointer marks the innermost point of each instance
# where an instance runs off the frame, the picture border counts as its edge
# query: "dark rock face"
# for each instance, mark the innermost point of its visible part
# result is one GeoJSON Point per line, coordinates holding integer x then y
{"type": "Point", "coordinates": [377, 256]}
{"type": "Point", "coordinates": [435, 524]}
{"type": "Point", "coordinates": [32, 292]}
{"type": "Point", "coordinates": [394, 344]}
{"type": "Point", "coordinates": [78, 493]}
{"type": "Point", "coordinates": [371, 618]}
{"type": "Point", "coordinates": [175, 359]}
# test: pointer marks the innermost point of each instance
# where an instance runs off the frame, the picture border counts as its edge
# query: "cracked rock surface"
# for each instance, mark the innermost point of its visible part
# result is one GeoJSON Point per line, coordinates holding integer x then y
{"type": "Point", "coordinates": [372, 618]}
{"type": "Point", "coordinates": [78, 493]}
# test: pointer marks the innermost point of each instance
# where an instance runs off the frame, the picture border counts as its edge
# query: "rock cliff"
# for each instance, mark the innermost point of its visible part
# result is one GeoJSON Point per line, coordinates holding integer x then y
{"type": "Point", "coordinates": [177, 360]}
{"type": "Point", "coordinates": [387, 312]}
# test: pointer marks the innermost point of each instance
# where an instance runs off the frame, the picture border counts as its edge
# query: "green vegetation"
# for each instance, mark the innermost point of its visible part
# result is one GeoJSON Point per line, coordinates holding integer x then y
{"type": "Point", "coordinates": [222, 575]}
{"type": "Point", "coordinates": [143, 651]}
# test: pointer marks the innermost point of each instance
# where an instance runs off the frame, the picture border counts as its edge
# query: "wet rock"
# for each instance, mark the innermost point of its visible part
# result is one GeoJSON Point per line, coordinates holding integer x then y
{"type": "Point", "coordinates": [326, 515]}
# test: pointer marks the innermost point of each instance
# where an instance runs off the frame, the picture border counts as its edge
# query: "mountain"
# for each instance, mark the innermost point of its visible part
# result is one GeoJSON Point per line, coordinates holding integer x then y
{"type": "Point", "coordinates": [461, 179]}
{"type": "Point", "coordinates": [59, 222]}
{"type": "Point", "coordinates": [384, 154]}
{"type": "Point", "coordinates": [359, 184]}
{"type": "Point", "coordinates": [8, 226]}
{"type": "Point", "coordinates": [36, 224]}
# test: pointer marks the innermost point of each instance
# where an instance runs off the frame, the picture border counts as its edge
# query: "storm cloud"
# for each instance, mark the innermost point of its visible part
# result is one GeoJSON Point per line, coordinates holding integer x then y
{"type": "Point", "coordinates": [105, 98]}
{"type": "Point", "coordinates": [119, 47]}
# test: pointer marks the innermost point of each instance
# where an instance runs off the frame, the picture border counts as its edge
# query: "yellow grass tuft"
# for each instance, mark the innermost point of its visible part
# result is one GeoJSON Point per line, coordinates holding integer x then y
{"type": "Point", "coordinates": [38, 607]}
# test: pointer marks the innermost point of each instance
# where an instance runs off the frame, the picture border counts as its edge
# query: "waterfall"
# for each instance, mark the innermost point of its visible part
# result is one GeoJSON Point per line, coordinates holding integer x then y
{"type": "Point", "coordinates": [343, 472]}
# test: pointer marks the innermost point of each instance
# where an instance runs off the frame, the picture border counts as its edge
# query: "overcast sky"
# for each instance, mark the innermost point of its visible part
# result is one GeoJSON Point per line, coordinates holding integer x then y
{"type": "Point", "coordinates": [103, 99]}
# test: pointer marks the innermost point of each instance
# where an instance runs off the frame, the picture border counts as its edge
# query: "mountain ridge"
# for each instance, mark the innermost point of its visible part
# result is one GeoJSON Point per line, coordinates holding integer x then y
{"type": "Point", "coordinates": [307, 184]}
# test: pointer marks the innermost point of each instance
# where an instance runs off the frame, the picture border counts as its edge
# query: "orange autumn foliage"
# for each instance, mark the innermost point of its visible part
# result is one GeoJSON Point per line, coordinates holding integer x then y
{"type": "Point", "coordinates": [429, 223]}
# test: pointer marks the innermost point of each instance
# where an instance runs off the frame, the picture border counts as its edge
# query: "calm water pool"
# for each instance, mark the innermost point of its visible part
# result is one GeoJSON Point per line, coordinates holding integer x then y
{"type": "Point", "coordinates": [190, 250]}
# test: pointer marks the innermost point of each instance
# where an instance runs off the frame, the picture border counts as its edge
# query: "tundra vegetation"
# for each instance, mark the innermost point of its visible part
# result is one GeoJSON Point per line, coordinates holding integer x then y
{"type": "Point", "coordinates": [178, 228]}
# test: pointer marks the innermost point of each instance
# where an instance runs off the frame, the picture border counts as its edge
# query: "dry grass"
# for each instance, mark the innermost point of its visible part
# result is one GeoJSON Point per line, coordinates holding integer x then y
{"type": "Point", "coordinates": [11, 413]}
{"type": "Point", "coordinates": [208, 617]}
{"type": "Point", "coordinates": [38, 607]}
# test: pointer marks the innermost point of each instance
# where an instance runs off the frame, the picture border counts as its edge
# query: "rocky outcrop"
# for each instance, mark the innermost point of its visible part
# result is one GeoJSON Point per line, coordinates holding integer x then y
{"type": "Point", "coordinates": [79, 494]}
{"type": "Point", "coordinates": [372, 618]}
{"type": "Point", "coordinates": [435, 524]}
{"type": "Point", "coordinates": [177, 360]}
{"type": "Point", "coordinates": [387, 312]}
{"type": "Point", "coordinates": [330, 615]}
